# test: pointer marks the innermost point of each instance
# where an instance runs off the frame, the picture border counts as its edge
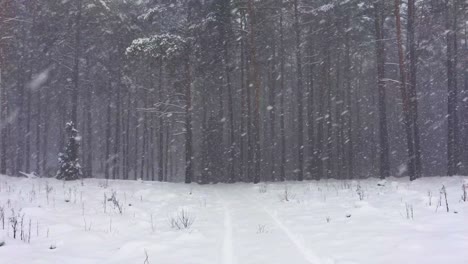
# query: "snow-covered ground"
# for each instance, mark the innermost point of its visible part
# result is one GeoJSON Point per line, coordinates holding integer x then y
{"type": "Point", "coordinates": [316, 222]}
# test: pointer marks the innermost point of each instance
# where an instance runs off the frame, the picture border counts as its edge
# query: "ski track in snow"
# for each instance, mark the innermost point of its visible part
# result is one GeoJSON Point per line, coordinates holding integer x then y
{"type": "Point", "coordinates": [295, 240]}
{"type": "Point", "coordinates": [228, 256]}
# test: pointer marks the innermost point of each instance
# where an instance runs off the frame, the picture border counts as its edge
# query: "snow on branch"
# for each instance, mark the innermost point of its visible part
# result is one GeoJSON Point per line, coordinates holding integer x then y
{"type": "Point", "coordinates": [161, 46]}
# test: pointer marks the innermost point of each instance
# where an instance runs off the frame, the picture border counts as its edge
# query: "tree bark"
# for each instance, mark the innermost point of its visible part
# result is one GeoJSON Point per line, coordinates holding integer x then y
{"type": "Point", "coordinates": [76, 65]}
{"type": "Point", "coordinates": [255, 84]}
{"type": "Point", "coordinates": [413, 97]}
{"type": "Point", "coordinates": [161, 126]}
{"type": "Point", "coordinates": [283, 93]}
{"type": "Point", "coordinates": [3, 114]}
{"type": "Point", "coordinates": [408, 122]}
{"type": "Point", "coordinates": [453, 161]}
{"type": "Point", "coordinates": [299, 94]}
{"type": "Point", "coordinates": [382, 104]}
{"type": "Point", "coordinates": [188, 123]}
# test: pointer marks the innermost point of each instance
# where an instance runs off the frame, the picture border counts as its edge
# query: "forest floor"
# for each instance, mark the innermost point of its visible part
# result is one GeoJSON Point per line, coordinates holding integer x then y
{"type": "Point", "coordinates": [329, 221]}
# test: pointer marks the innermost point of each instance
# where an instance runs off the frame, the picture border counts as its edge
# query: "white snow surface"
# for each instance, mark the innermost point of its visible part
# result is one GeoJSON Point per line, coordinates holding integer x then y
{"type": "Point", "coordinates": [322, 222]}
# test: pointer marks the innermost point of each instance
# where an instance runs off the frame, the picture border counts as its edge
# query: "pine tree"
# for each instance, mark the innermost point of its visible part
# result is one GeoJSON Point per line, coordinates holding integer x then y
{"type": "Point", "coordinates": [70, 168]}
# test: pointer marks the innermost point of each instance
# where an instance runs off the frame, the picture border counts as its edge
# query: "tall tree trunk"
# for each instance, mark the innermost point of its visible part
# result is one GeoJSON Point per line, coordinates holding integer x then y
{"type": "Point", "coordinates": [349, 143]}
{"type": "Point", "coordinates": [328, 116]}
{"type": "Point", "coordinates": [89, 128]}
{"type": "Point", "coordinates": [30, 89]}
{"type": "Point", "coordinates": [312, 158]}
{"type": "Point", "coordinates": [299, 93]}
{"type": "Point", "coordinates": [20, 130]}
{"type": "Point", "coordinates": [151, 157]}
{"type": "Point", "coordinates": [126, 146]}
{"type": "Point", "coordinates": [465, 89]}
{"type": "Point", "coordinates": [413, 97]}
{"type": "Point", "coordinates": [283, 94]}
{"type": "Point", "coordinates": [38, 132]}
{"type": "Point", "coordinates": [27, 154]}
{"type": "Point", "coordinates": [161, 126]}
{"type": "Point", "coordinates": [188, 123]}
{"type": "Point", "coordinates": [404, 95]}
{"type": "Point", "coordinates": [45, 135]}
{"type": "Point", "coordinates": [337, 127]}
{"type": "Point", "coordinates": [272, 110]}
{"type": "Point", "coordinates": [144, 144]}
{"type": "Point", "coordinates": [108, 139]}
{"type": "Point", "coordinates": [248, 102]}
{"type": "Point", "coordinates": [382, 104]}
{"type": "Point", "coordinates": [3, 114]}
{"type": "Point", "coordinates": [227, 75]}
{"type": "Point", "coordinates": [76, 65]}
{"type": "Point", "coordinates": [452, 90]}
{"type": "Point", "coordinates": [118, 133]}
{"type": "Point", "coordinates": [255, 84]}
{"type": "Point", "coordinates": [244, 113]}
{"type": "Point", "coordinates": [321, 121]}
{"type": "Point", "coordinates": [167, 153]}
{"type": "Point", "coordinates": [137, 136]}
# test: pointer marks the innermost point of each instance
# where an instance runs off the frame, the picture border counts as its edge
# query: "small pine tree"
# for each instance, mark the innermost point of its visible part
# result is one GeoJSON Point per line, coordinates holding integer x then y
{"type": "Point", "coordinates": [70, 168]}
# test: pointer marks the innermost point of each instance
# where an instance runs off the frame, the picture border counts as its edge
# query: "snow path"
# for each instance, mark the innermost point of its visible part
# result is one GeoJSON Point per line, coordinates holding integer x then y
{"type": "Point", "coordinates": [228, 256]}
{"type": "Point", "coordinates": [322, 222]}
{"type": "Point", "coordinates": [245, 214]}
{"type": "Point", "coordinates": [297, 241]}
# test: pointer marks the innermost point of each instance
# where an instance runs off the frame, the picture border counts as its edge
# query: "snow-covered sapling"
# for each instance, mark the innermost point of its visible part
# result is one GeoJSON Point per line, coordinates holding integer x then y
{"type": "Point", "coordinates": [203, 202]}
{"type": "Point", "coordinates": [409, 211]}
{"type": "Point", "coordinates": [183, 220]}
{"type": "Point", "coordinates": [443, 192]}
{"type": "Point", "coordinates": [2, 217]}
{"type": "Point", "coordinates": [261, 229]}
{"type": "Point", "coordinates": [48, 190]}
{"type": "Point", "coordinates": [87, 226]}
{"type": "Point", "coordinates": [29, 233]}
{"type": "Point", "coordinates": [287, 195]}
{"type": "Point", "coordinates": [360, 192]}
{"type": "Point", "coordinates": [22, 234]}
{"type": "Point", "coordinates": [345, 185]}
{"type": "Point", "coordinates": [146, 258]}
{"type": "Point", "coordinates": [116, 202]}
{"type": "Point", "coordinates": [186, 219]}
{"type": "Point", "coordinates": [2, 240]}
{"type": "Point", "coordinates": [68, 195]}
{"type": "Point", "coordinates": [74, 194]}
{"type": "Point", "coordinates": [104, 203]}
{"type": "Point", "coordinates": [104, 184]}
{"type": "Point", "coordinates": [464, 189]}
{"type": "Point", "coordinates": [32, 195]}
{"type": "Point", "coordinates": [70, 168]}
{"type": "Point", "coordinates": [15, 221]}
{"type": "Point", "coordinates": [382, 183]}
{"type": "Point", "coordinates": [262, 188]}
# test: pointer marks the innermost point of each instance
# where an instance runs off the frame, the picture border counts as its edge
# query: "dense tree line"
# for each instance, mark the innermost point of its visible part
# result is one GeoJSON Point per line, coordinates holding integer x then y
{"type": "Point", "coordinates": [235, 90]}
